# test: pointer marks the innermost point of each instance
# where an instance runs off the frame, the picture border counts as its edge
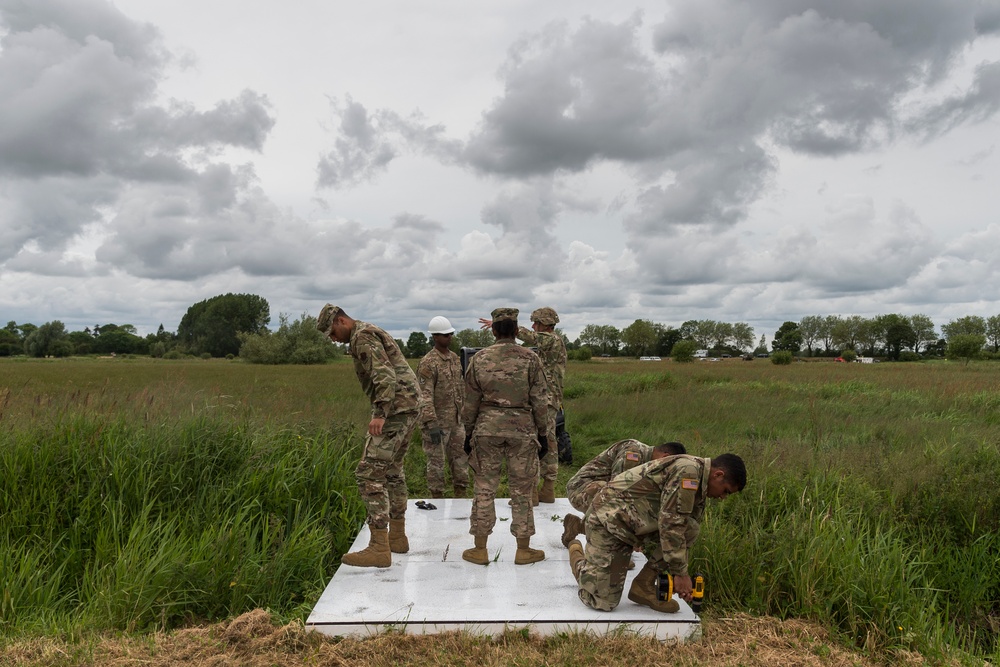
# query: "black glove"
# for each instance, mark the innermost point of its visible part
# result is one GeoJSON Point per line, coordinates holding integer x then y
{"type": "Point", "coordinates": [468, 443]}
{"type": "Point", "coordinates": [543, 449]}
{"type": "Point", "coordinates": [437, 435]}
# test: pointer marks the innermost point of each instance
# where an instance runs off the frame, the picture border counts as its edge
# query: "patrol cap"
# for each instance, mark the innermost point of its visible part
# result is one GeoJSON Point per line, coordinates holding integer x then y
{"type": "Point", "coordinates": [500, 314]}
{"type": "Point", "coordinates": [545, 316]}
{"type": "Point", "coordinates": [326, 317]}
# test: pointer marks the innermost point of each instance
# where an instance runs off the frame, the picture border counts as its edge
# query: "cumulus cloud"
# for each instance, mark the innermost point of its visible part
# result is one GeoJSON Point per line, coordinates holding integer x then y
{"type": "Point", "coordinates": [81, 133]}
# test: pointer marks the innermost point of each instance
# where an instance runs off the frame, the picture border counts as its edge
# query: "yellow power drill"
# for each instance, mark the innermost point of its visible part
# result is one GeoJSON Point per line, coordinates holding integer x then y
{"type": "Point", "coordinates": [665, 589]}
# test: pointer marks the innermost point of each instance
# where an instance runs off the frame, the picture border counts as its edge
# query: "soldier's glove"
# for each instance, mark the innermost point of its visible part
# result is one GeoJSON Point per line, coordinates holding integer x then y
{"type": "Point", "coordinates": [543, 449]}
{"type": "Point", "coordinates": [437, 435]}
{"type": "Point", "coordinates": [468, 444]}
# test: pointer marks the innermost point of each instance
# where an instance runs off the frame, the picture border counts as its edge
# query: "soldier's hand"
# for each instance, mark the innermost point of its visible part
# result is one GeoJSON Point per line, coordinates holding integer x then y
{"type": "Point", "coordinates": [543, 446]}
{"type": "Point", "coordinates": [437, 435]}
{"type": "Point", "coordinates": [468, 444]}
{"type": "Point", "coordinates": [682, 587]}
{"type": "Point", "coordinates": [375, 425]}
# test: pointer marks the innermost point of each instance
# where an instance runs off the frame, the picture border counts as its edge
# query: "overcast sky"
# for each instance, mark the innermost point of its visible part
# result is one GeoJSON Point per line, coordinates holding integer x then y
{"type": "Point", "coordinates": [689, 159]}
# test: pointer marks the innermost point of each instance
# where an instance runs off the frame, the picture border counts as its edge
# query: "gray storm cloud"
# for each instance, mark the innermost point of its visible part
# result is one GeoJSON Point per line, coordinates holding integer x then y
{"type": "Point", "coordinates": [81, 128]}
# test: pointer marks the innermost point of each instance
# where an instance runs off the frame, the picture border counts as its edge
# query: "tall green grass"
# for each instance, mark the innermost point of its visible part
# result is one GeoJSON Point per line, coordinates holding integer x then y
{"type": "Point", "coordinates": [140, 494]}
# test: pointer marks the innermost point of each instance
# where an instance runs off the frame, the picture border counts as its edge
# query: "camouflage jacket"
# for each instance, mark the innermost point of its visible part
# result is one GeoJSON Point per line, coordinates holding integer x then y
{"type": "Point", "coordinates": [621, 456]}
{"type": "Point", "coordinates": [505, 392]}
{"type": "Point", "coordinates": [552, 352]}
{"type": "Point", "coordinates": [443, 389]}
{"type": "Point", "coordinates": [382, 370]}
{"type": "Point", "coordinates": [666, 496]}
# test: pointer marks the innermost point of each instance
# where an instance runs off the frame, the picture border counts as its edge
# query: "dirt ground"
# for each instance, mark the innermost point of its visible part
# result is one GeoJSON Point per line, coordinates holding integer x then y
{"type": "Point", "coordinates": [256, 640]}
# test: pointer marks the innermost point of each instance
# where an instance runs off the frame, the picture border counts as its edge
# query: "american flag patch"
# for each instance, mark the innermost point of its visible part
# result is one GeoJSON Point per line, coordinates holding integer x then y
{"type": "Point", "coordinates": [691, 484]}
{"type": "Point", "coordinates": [631, 456]}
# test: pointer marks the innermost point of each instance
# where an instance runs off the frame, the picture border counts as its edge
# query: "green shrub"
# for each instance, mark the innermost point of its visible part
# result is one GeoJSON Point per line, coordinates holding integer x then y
{"type": "Point", "coordinates": [782, 357]}
{"type": "Point", "coordinates": [581, 354]}
{"type": "Point", "coordinates": [173, 354]}
{"type": "Point", "coordinates": [849, 355]}
{"type": "Point", "coordinates": [683, 351]}
{"type": "Point", "coordinates": [908, 355]}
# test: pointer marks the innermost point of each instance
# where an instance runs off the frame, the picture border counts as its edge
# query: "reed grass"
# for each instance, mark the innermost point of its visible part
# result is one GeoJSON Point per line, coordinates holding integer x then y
{"type": "Point", "coordinates": [138, 494]}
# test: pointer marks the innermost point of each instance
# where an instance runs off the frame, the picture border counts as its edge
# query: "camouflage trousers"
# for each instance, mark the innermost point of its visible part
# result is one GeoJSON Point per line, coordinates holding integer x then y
{"type": "Point", "coordinates": [488, 454]}
{"type": "Point", "coordinates": [581, 492]}
{"type": "Point", "coordinates": [381, 480]}
{"type": "Point", "coordinates": [549, 468]}
{"type": "Point", "coordinates": [451, 454]}
{"type": "Point", "coordinates": [606, 558]}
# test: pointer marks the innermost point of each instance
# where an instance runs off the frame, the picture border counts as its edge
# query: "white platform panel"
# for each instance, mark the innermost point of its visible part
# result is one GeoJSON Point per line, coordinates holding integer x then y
{"type": "Point", "coordinates": [431, 589]}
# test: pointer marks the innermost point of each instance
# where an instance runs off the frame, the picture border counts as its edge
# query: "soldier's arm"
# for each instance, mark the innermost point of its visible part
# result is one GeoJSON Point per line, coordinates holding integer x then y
{"type": "Point", "coordinates": [427, 379]}
{"type": "Point", "coordinates": [527, 335]}
{"type": "Point", "coordinates": [376, 362]}
{"type": "Point", "coordinates": [473, 398]}
{"type": "Point", "coordinates": [677, 501]}
{"type": "Point", "coordinates": [538, 394]}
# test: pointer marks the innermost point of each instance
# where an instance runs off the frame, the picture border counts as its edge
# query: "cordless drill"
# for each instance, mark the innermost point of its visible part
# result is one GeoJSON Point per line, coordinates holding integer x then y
{"type": "Point", "coordinates": [697, 592]}
{"type": "Point", "coordinates": [665, 589]}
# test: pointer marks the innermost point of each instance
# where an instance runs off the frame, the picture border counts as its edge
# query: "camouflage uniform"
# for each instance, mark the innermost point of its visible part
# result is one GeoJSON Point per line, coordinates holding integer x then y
{"type": "Point", "coordinates": [595, 475]}
{"type": "Point", "coordinates": [391, 387]}
{"type": "Point", "coordinates": [552, 351]}
{"type": "Point", "coordinates": [505, 410]}
{"type": "Point", "coordinates": [665, 499]}
{"type": "Point", "coordinates": [443, 389]}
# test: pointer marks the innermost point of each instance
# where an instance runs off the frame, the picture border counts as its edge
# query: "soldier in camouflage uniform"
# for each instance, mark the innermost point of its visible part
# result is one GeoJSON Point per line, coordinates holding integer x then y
{"type": "Point", "coordinates": [551, 350]}
{"type": "Point", "coordinates": [595, 475]}
{"type": "Point", "coordinates": [664, 499]}
{"type": "Point", "coordinates": [505, 420]}
{"type": "Point", "coordinates": [443, 434]}
{"type": "Point", "coordinates": [391, 387]}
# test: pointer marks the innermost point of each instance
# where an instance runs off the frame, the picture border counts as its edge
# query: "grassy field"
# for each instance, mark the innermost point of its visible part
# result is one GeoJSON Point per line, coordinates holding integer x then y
{"type": "Point", "coordinates": [140, 494]}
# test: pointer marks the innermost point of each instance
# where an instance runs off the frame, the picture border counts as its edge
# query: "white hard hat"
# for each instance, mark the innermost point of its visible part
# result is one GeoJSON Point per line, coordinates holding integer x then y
{"type": "Point", "coordinates": [440, 325]}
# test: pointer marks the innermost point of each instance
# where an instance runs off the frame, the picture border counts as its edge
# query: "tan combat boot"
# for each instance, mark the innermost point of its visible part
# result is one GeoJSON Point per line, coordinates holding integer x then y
{"type": "Point", "coordinates": [548, 492]}
{"type": "Point", "coordinates": [643, 591]}
{"type": "Point", "coordinates": [525, 554]}
{"type": "Point", "coordinates": [576, 558]}
{"type": "Point", "coordinates": [398, 544]}
{"type": "Point", "coordinates": [478, 555]}
{"type": "Point", "coordinates": [572, 526]}
{"type": "Point", "coordinates": [376, 554]}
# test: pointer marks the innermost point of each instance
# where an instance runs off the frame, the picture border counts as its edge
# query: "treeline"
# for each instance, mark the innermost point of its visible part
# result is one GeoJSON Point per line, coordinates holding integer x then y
{"type": "Point", "coordinates": [228, 325]}
{"type": "Point", "coordinates": [232, 325]}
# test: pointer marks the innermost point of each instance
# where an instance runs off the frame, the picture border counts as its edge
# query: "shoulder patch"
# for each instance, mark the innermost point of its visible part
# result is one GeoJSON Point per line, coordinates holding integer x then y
{"type": "Point", "coordinates": [632, 456]}
{"type": "Point", "coordinates": [689, 484]}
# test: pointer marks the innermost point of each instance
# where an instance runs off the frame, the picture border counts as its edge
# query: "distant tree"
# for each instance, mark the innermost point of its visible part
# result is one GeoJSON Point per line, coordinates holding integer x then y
{"type": "Point", "coordinates": [26, 330]}
{"type": "Point", "coordinates": [668, 337]}
{"type": "Point", "coordinates": [923, 329]}
{"type": "Point", "coordinates": [743, 336]}
{"type": "Point", "coordinates": [82, 342]}
{"type": "Point", "coordinates": [684, 350]}
{"type": "Point", "coordinates": [473, 338]}
{"type": "Point", "coordinates": [212, 325]}
{"type": "Point", "coordinates": [417, 345]}
{"type": "Point", "coordinates": [298, 342]}
{"type": "Point", "coordinates": [761, 346]}
{"type": "Point", "coordinates": [899, 335]}
{"type": "Point", "coordinates": [603, 337]}
{"type": "Point", "coordinates": [826, 331]}
{"type": "Point", "coordinates": [10, 343]}
{"type": "Point", "coordinates": [787, 337]}
{"type": "Point", "coordinates": [48, 340]}
{"type": "Point", "coordinates": [965, 346]}
{"type": "Point", "coordinates": [639, 337]}
{"type": "Point", "coordinates": [868, 335]}
{"type": "Point", "coordinates": [993, 332]}
{"type": "Point", "coordinates": [970, 324]}
{"type": "Point", "coordinates": [810, 327]}
{"type": "Point", "coordinates": [846, 331]}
